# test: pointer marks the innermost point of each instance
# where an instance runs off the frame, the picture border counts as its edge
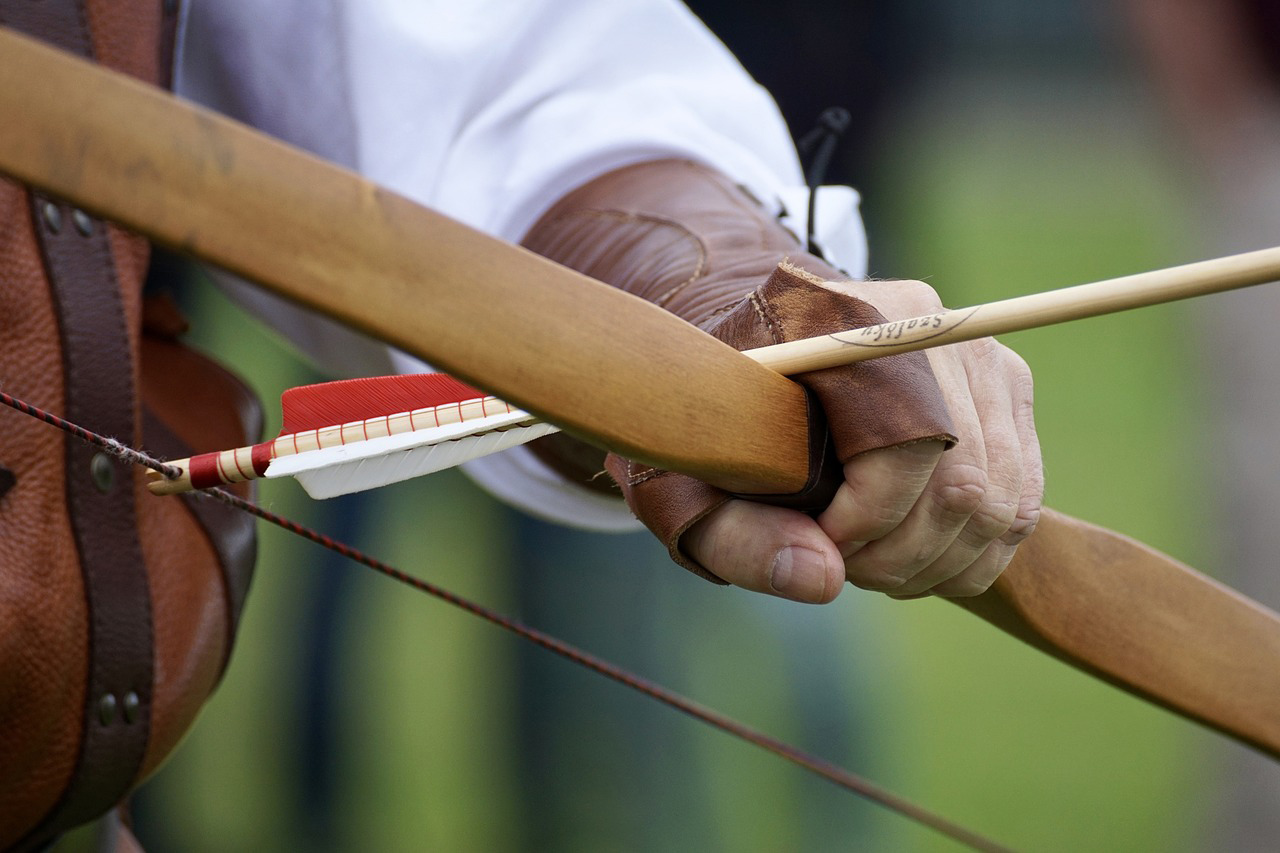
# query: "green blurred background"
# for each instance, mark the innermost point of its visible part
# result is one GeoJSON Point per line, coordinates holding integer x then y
{"type": "Point", "coordinates": [1015, 148]}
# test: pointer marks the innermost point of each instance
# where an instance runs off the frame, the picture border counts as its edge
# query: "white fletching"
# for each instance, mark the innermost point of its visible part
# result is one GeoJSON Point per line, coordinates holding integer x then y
{"type": "Point", "coordinates": [377, 462]}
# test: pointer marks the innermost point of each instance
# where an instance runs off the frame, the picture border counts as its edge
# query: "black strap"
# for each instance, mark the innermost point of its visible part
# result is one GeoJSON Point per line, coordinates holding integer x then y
{"type": "Point", "coordinates": [817, 148]}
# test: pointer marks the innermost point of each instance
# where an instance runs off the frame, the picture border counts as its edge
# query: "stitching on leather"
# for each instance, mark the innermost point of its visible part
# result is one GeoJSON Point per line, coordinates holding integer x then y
{"type": "Point", "coordinates": [766, 316]}
{"type": "Point", "coordinates": [639, 475]}
{"type": "Point", "coordinates": [641, 479]}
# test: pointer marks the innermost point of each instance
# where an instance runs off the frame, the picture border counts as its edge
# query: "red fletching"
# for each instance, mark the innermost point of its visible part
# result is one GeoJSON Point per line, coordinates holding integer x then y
{"type": "Point", "coordinates": [330, 403]}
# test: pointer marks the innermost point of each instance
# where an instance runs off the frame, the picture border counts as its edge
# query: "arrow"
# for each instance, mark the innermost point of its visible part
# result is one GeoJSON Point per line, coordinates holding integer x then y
{"type": "Point", "coordinates": [340, 432]}
{"type": "Point", "coordinates": [335, 442]}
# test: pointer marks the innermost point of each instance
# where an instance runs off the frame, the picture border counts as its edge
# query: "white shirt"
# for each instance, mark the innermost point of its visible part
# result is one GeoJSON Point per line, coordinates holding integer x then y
{"type": "Point", "coordinates": [489, 111]}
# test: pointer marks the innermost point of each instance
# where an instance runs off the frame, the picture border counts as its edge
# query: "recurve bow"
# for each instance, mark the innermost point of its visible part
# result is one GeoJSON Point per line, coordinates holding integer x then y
{"type": "Point", "coordinates": [330, 240]}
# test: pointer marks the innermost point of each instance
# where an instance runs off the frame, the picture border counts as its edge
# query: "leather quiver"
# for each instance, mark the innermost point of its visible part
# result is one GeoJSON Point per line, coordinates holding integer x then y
{"type": "Point", "coordinates": [117, 608]}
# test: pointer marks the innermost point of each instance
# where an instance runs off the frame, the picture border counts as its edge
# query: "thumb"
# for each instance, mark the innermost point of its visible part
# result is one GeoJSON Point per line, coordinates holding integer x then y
{"type": "Point", "coordinates": [767, 549]}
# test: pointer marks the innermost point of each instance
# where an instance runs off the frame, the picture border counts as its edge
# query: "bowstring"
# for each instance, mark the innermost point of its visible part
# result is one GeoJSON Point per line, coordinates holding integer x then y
{"type": "Point", "coordinates": [825, 769]}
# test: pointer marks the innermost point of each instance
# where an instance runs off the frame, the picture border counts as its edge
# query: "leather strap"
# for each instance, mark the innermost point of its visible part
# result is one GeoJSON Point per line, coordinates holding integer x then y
{"type": "Point", "coordinates": [100, 390]}
{"type": "Point", "coordinates": [99, 382]}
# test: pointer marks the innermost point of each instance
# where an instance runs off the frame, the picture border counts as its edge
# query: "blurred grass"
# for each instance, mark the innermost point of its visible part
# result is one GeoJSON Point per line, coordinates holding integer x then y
{"type": "Point", "coordinates": [986, 203]}
{"type": "Point", "coordinates": [1000, 199]}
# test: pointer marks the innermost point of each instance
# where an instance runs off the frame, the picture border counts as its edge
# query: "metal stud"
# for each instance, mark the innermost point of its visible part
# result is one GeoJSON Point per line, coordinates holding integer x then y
{"type": "Point", "coordinates": [52, 217]}
{"type": "Point", "coordinates": [132, 705]}
{"type": "Point", "coordinates": [103, 472]}
{"type": "Point", "coordinates": [84, 224]}
{"type": "Point", "coordinates": [107, 709]}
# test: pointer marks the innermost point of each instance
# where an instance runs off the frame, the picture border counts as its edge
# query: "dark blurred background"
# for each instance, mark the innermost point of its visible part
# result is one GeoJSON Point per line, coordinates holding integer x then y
{"type": "Point", "coordinates": [1001, 148]}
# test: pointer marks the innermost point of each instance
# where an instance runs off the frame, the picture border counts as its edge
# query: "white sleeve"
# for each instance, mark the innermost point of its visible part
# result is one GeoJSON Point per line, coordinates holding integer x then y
{"type": "Point", "coordinates": [488, 111]}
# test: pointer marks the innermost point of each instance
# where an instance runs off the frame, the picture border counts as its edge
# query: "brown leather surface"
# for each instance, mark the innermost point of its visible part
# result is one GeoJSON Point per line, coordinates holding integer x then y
{"type": "Point", "coordinates": [127, 36]}
{"type": "Point", "coordinates": [686, 238]}
{"type": "Point", "coordinates": [44, 647]}
{"type": "Point", "coordinates": [229, 416]}
{"type": "Point", "coordinates": [673, 232]}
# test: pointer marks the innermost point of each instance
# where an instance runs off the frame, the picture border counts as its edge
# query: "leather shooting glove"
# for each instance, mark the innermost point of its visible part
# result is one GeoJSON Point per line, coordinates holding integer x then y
{"type": "Point", "coordinates": [688, 239]}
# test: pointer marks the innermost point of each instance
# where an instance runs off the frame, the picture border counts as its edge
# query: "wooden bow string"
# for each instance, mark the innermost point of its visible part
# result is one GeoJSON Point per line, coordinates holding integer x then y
{"type": "Point", "coordinates": [332, 241]}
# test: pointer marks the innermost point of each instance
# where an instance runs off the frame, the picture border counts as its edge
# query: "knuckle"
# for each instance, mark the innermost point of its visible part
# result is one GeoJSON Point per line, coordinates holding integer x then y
{"type": "Point", "coordinates": [1017, 366]}
{"type": "Point", "coordinates": [920, 294]}
{"type": "Point", "coordinates": [1022, 381]}
{"type": "Point", "coordinates": [961, 491]}
{"type": "Point", "coordinates": [898, 299]}
{"type": "Point", "coordinates": [1023, 525]}
{"type": "Point", "coordinates": [985, 356]}
{"type": "Point", "coordinates": [925, 553]}
{"type": "Point", "coordinates": [997, 359]}
{"type": "Point", "coordinates": [993, 518]}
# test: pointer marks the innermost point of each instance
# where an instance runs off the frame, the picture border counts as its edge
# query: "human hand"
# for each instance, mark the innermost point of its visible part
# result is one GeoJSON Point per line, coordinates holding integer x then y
{"type": "Point", "coordinates": [908, 520]}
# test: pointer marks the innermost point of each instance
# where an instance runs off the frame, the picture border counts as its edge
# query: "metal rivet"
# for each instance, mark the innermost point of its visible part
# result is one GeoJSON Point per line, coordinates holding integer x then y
{"type": "Point", "coordinates": [52, 217]}
{"type": "Point", "coordinates": [84, 224]}
{"type": "Point", "coordinates": [132, 704]}
{"type": "Point", "coordinates": [103, 472]}
{"type": "Point", "coordinates": [107, 709]}
{"type": "Point", "coordinates": [7, 481]}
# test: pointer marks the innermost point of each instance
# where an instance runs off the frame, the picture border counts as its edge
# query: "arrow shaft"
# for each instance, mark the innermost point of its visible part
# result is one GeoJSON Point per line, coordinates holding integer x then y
{"type": "Point", "coordinates": [891, 338]}
{"type": "Point", "coordinates": [1020, 313]}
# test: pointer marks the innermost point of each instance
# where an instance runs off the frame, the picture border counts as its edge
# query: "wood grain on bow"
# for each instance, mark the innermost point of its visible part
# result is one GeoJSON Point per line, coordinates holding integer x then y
{"type": "Point", "coordinates": [330, 240]}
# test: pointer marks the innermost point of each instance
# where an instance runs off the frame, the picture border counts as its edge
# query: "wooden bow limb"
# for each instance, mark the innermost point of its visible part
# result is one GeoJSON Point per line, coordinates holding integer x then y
{"type": "Point", "coordinates": [330, 240]}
